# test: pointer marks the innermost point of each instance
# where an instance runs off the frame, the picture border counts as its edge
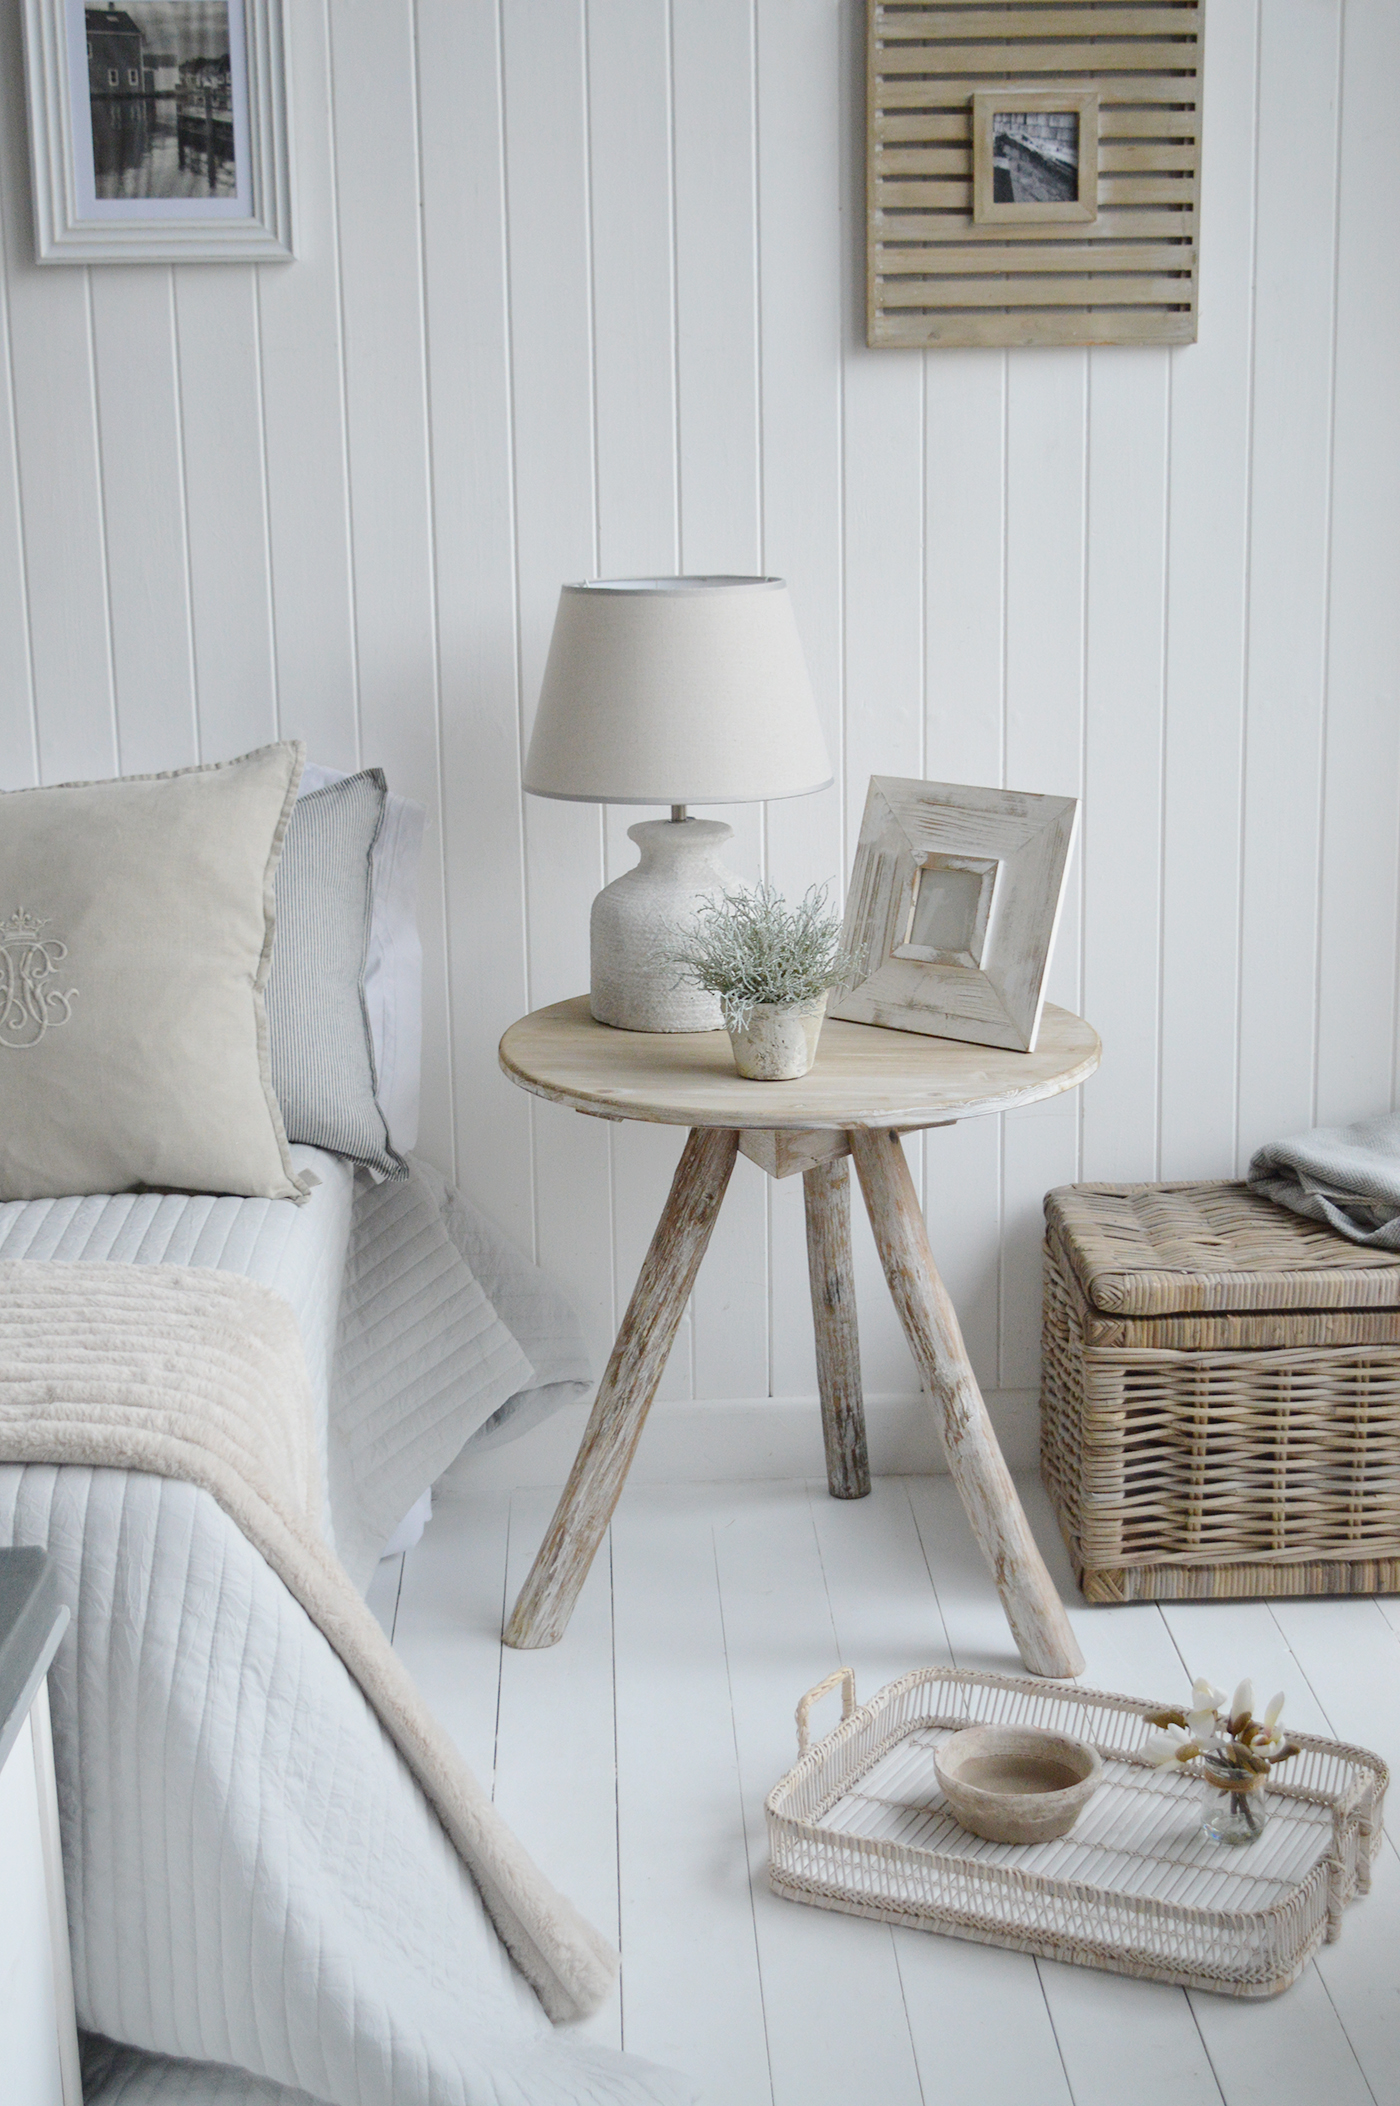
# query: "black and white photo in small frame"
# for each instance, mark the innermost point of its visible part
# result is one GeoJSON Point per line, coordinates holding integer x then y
{"type": "Point", "coordinates": [1035, 155]}
{"type": "Point", "coordinates": [158, 131]}
{"type": "Point", "coordinates": [166, 88]}
{"type": "Point", "coordinates": [952, 911]}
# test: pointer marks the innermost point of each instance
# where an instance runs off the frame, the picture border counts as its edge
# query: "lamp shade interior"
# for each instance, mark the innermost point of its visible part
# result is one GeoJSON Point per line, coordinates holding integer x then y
{"type": "Point", "coordinates": [676, 691]}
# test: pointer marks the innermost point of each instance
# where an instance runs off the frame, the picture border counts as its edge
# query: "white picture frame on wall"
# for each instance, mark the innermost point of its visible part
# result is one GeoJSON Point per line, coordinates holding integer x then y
{"type": "Point", "coordinates": [954, 903]}
{"type": "Point", "coordinates": [159, 131]}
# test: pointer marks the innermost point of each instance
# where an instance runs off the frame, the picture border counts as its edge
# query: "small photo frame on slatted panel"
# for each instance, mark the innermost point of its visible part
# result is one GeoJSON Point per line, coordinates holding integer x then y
{"type": "Point", "coordinates": [1035, 156]}
{"type": "Point", "coordinates": [949, 260]}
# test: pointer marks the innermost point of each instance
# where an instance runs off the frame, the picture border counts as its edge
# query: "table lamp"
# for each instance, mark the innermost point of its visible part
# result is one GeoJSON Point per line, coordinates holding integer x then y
{"type": "Point", "coordinates": [673, 691]}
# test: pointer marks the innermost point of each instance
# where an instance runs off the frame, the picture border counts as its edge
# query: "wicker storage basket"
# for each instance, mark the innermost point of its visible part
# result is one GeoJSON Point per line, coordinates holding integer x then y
{"type": "Point", "coordinates": [859, 1824]}
{"type": "Point", "coordinates": [1220, 1396]}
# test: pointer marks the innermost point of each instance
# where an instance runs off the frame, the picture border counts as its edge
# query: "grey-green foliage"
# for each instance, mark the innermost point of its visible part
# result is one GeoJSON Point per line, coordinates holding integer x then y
{"type": "Point", "coordinates": [752, 948]}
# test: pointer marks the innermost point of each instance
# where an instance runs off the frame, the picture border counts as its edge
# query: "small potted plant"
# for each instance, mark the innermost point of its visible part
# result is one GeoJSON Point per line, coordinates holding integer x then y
{"type": "Point", "coordinates": [772, 967]}
{"type": "Point", "coordinates": [1230, 1749]}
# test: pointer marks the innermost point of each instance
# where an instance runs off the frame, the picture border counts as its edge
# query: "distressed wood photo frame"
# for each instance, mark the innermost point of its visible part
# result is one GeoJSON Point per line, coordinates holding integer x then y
{"type": "Point", "coordinates": [954, 902]}
{"type": "Point", "coordinates": [1035, 156]}
{"type": "Point", "coordinates": [159, 131]}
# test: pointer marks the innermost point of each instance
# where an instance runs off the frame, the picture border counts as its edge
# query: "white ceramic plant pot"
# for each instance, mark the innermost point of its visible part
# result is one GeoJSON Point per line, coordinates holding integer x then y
{"type": "Point", "coordinates": [778, 1045]}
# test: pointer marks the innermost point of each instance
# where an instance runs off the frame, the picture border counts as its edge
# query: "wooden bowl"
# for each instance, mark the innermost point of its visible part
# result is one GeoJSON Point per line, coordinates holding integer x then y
{"type": "Point", "coordinates": [1017, 1784]}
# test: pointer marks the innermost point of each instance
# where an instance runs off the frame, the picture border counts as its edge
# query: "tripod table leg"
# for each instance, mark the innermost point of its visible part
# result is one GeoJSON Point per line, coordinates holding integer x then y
{"type": "Point", "coordinates": [826, 1190]}
{"type": "Point", "coordinates": [624, 1396]}
{"type": "Point", "coordinates": [1033, 1608]}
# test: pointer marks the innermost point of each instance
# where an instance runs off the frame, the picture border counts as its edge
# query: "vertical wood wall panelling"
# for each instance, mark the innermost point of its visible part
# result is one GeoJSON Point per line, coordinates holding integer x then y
{"type": "Point", "coordinates": [799, 80]}
{"type": "Point", "coordinates": [715, 210]}
{"type": "Point", "coordinates": [623, 334]}
{"type": "Point", "coordinates": [730, 1305]}
{"type": "Point", "coordinates": [714, 121]}
{"type": "Point", "coordinates": [1357, 932]}
{"type": "Point", "coordinates": [1047, 407]}
{"type": "Point", "coordinates": [965, 478]}
{"type": "Point", "coordinates": [225, 507]}
{"type": "Point", "coordinates": [1290, 514]}
{"type": "Point", "coordinates": [634, 383]}
{"type": "Point", "coordinates": [462, 144]}
{"type": "Point", "coordinates": [138, 410]}
{"type": "Point", "coordinates": [634, 342]}
{"type": "Point", "coordinates": [549, 239]}
{"type": "Point", "coordinates": [59, 475]}
{"type": "Point", "coordinates": [303, 400]}
{"type": "Point", "coordinates": [715, 131]}
{"type": "Point", "coordinates": [1207, 559]}
{"type": "Point", "coordinates": [19, 751]}
{"type": "Point", "coordinates": [378, 202]}
{"type": "Point", "coordinates": [882, 520]}
{"type": "Point", "coordinates": [1121, 838]}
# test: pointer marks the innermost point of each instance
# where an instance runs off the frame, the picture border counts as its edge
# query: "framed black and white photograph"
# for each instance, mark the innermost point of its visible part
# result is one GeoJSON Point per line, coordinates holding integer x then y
{"type": "Point", "coordinates": [1035, 155]}
{"type": "Point", "coordinates": [953, 907]}
{"type": "Point", "coordinates": [159, 131]}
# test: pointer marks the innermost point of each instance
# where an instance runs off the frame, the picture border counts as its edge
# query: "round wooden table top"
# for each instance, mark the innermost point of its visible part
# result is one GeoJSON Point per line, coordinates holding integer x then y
{"type": "Point", "coordinates": [864, 1075]}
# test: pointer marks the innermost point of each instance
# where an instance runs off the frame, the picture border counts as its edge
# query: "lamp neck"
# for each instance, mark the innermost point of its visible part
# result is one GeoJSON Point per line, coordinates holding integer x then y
{"type": "Point", "coordinates": [678, 814]}
{"type": "Point", "coordinates": [691, 844]}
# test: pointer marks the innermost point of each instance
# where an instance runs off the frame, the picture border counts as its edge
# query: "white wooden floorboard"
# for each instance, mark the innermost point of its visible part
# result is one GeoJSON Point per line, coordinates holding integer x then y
{"type": "Point", "coordinates": [887, 1620]}
{"type": "Point", "coordinates": [691, 1992]}
{"type": "Point", "coordinates": [884, 1606]}
{"type": "Point", "coordinates": [1103, 2026]}
{"type": "Point", "coordinates": [1389, 1606]}
{"type": "Point", "coordinates": [448, 1628]}
{"type": "Point", "coordinates": [833, 1998]}
{"type": "Point", "coordinates": [1296, 2045]}
{"type": "Point", "coordinates": [1290, 2048]}
{"type": "Point", "coordinates": [556, 1744]}
{"type": "Point", "coordinates": [634, 1757]}
{"type": "Point", "coordinates": [1106, 2025]}
{"type": "Point", "coordinates": [1350, 1653]}
{"type": "Point", "coordinates": [1355, 1682]}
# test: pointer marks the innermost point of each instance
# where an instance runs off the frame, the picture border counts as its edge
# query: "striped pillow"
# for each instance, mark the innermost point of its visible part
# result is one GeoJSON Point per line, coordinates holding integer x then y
{"type": "Point", "coordinates": [321, 1052]}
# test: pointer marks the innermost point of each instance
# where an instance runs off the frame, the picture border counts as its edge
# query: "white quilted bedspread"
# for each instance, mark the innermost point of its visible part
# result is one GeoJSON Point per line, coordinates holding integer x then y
{"type": "Point", "coordinates": [263, 1906]}
{"type": "Point", "coordinates": [423, 1328]}
{"type": "Point", "coordinates": [253, 1876]}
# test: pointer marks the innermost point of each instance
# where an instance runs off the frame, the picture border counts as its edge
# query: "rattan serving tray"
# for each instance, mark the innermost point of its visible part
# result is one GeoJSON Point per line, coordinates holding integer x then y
{"type": "Point", "coordinates": [859, 1824]}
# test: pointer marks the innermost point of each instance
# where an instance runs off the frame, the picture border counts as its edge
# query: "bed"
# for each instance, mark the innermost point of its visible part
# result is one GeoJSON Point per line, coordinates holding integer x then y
{"type": "Point", "coordinates": [267, 1901]}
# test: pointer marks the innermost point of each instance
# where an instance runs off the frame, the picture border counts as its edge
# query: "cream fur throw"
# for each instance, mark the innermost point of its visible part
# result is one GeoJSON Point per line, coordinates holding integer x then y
{"type": "Point", "coordinates": [194, 1374]}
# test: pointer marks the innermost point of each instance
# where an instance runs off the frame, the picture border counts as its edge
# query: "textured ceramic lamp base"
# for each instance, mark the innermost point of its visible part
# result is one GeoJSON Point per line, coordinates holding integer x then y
{"type": "Point", "coordinates": [639, 919]}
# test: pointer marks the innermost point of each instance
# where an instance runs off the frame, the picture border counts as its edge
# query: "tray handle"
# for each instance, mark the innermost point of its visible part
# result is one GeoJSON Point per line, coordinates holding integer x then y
{"type": "Point", "coordinates": [846, 1676]}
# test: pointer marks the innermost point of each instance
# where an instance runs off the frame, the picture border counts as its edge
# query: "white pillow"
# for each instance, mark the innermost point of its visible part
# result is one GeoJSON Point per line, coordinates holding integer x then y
{"type": "Point", "coordinates": [394, 959]}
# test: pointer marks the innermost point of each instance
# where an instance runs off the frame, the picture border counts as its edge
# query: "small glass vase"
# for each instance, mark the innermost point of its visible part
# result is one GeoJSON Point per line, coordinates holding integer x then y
{"type": "Point", "coordinates": [1236, 1809]}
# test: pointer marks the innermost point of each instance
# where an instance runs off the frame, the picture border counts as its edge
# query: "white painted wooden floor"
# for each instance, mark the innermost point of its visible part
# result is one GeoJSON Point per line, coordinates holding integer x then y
{"type": "Point", "coordinates": [634, 1759]}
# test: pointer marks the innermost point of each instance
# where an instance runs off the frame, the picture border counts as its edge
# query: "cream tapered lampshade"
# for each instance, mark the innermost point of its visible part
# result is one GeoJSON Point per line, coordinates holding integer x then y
{"type": "Point", "coordinates": [676, 691]}
{"type": "Point", "coordinates": [673, 691]}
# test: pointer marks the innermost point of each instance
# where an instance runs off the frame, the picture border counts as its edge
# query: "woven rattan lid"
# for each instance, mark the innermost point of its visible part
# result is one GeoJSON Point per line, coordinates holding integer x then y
{"type": "Point", "coordinates": [1157, 1250]}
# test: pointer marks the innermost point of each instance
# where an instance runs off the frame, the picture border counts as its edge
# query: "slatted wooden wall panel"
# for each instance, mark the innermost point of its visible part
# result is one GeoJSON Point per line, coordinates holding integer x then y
{"type": "Point", "coordinates": [935, 275]}
{"type": "Point", "coordinates": [581, 290]}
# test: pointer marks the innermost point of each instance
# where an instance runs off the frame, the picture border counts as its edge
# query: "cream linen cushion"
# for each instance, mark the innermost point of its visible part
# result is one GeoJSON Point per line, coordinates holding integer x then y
{"type": "Point", "coordinates": [136, 922]}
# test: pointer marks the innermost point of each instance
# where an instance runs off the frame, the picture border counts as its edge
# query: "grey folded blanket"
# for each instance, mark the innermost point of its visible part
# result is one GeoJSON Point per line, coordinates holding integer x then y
{"type": "Point", "coordinates": [1347, 1176]}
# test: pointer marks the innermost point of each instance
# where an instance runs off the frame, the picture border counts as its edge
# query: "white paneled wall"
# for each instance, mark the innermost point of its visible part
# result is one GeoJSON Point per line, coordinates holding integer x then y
{"type": "Point", "coordinates": [580, 294]}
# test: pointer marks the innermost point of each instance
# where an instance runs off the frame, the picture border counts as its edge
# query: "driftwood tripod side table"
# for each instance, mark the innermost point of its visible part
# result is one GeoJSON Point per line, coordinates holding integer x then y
{"type": "Point", "coordinates": [868, 1087]}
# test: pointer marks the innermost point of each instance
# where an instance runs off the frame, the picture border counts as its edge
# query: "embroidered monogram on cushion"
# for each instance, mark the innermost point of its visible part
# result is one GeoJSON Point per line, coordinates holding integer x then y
{"type": "Point", "coordinates": [29, 1006]}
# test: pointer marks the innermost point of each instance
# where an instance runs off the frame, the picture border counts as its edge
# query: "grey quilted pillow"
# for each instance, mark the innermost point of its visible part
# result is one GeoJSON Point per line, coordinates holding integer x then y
{"type": "Point", "coordinates": [321, 1052]}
